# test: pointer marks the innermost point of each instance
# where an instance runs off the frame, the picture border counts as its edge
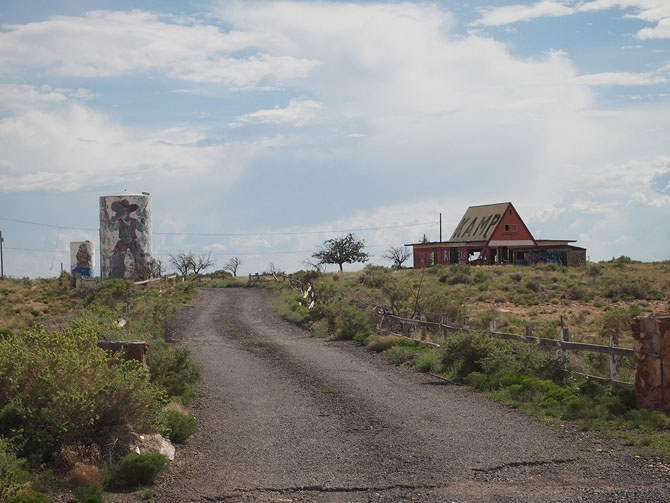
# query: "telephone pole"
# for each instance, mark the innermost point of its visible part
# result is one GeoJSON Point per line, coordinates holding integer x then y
{"type": "Point", "coordinates": [2, 265]}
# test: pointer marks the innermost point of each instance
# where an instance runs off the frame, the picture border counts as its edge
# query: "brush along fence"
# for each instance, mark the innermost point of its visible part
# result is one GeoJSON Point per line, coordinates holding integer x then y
{"type": "Point", "coordinates": [427, 331]}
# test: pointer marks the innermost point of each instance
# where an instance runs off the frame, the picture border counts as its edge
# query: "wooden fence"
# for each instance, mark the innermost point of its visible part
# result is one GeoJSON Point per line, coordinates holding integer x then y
{"type": "Point", "coordinates": [408, 327]}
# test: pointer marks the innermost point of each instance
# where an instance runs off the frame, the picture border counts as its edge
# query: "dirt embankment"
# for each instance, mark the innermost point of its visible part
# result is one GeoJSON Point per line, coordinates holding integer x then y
{"type": "Point", "coordinates": [285, 417]}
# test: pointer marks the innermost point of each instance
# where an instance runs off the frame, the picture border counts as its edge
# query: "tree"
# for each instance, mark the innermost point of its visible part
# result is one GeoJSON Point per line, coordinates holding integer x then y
{"type": "Point", "coordinates": [232, 265]}
{"type": "Point", "coordinates": [398, 255]}
{"type": "Point", "coordinates": [202, 262]}
{"type": "Point", "coordinates": [342, 250]}
{"type": "Point", "coordinates": [182, 261]}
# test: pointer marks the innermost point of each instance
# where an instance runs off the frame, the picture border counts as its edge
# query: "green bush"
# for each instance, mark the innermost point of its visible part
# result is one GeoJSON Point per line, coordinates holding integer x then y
{"type": "Point", "coordinates": [13, 472]}
{"type": "Point", "coordinates": [179, 425]}
{"type": "Point", "coordinates": [29, 496]}
{"type": "Point", "coordinates": [88, 493]}
{"type": "Point", "coordinates": [466, 352]}
{"type": "Point", "coordinates": [350, 322]}
{"type": "Point", "coordinates": [427, 361]}
{"type": "Point", "coordinates": [321, 328]}
{"type": "Point", "coordinates": [60, 388]}
{"type": "Point", "coordinates": [174, 369]}
{"type": "Point", "coordinates": [397, 355]}
{"type": "Point", "coordinates": [136, 470]}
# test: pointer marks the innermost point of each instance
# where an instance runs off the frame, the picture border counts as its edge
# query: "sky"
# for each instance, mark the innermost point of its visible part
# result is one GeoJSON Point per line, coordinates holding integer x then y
{"type": "Point", "coordinates": [263, 129]}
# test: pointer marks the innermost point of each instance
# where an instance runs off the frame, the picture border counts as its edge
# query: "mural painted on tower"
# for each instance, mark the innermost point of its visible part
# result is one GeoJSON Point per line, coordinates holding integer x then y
{"type": "Point", "coordinates": [125, 235]}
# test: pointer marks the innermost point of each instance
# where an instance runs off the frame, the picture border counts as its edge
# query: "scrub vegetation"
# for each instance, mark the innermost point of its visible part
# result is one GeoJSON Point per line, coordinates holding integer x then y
{"type": "Point", "coordinates": [593, 302]}
{"type": "Point", "coordinates": [69, 408]}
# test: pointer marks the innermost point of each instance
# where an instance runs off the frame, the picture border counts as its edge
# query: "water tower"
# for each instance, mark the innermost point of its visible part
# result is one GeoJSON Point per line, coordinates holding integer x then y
{"type": "Point", "coordinates": [125, 235]}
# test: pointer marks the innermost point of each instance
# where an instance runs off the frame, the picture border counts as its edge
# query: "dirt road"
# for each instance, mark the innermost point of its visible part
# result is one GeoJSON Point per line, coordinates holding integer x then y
{"type": "Point", "coordinates": [288, 418]}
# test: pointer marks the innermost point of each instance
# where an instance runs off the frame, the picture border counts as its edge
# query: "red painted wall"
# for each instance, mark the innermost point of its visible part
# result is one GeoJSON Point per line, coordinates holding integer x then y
{"type": "Point", "coordinates": [511, 219]}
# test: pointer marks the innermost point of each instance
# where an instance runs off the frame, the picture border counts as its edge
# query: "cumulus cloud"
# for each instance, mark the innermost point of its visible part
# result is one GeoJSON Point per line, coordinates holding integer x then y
{"type": "Point", "coordinates": [108, 44]}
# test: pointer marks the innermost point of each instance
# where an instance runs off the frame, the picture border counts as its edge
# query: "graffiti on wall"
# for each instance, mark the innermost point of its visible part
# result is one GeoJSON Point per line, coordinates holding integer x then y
{"type": "Point", "coordinates": [446, 256]}
{"type": "Point", "coordinates": [546, 257]}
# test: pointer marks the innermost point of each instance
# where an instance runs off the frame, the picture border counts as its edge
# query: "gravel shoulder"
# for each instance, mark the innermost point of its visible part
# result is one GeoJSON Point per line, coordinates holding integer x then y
{"type": "Point", "coordinates": [286, 417]}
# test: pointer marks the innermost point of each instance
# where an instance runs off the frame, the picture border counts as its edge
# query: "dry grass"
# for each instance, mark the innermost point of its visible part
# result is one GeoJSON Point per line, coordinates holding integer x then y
{"type": "Point", "coordinates": [592, 301]}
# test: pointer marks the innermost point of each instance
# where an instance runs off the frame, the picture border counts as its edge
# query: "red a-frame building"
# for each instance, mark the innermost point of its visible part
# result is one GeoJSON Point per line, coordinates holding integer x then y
{"type": "Point", "coordinates": [496, 234]}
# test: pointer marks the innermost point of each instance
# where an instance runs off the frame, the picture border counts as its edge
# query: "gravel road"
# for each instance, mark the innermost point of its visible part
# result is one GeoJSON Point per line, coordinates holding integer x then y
{"type": "Point", "coordinates": [288, 418]}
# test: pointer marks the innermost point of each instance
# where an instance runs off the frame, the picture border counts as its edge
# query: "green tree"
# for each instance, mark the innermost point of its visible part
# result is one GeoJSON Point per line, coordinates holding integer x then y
{"type": "Point", "coordinates": [342, 250]}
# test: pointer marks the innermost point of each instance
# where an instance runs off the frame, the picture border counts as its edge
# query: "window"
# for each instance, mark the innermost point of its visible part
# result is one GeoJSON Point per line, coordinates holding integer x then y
{"type": "Point", "coordinates": [510, 227]}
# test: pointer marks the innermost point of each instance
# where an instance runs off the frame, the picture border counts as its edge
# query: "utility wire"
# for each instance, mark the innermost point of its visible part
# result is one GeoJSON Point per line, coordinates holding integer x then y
{"type": "Point", "coordinates": [362, 229]}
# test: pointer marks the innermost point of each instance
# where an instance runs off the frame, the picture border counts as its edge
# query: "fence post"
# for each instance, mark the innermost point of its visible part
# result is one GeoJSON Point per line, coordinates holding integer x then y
{"type": "Point", "coordinates": [423, 326]}
{"type": "Point", "coordinates": [493, 326]}
{"type": "Point", "coordinates": [565, 337]}
{"type": "Point", "coordinates": [614, 359]}
{"type": "Point", "coordinates": [444, 321]}
{"type": "Point", "coordinates": [529, 332]}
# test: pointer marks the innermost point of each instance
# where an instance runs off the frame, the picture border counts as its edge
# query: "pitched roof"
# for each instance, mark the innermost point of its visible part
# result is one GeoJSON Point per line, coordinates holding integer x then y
{"type": "Point", "coordinates": [479, 222]}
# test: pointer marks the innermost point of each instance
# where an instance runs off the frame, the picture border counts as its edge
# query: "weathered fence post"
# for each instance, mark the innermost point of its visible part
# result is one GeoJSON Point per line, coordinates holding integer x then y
{"type": "Point", "coordinates": [444, 321]}
{"type": "Point", "coordinates": [423, 326]}
{"type": "Point", "coordinates": [651, 342]}
{"type": "Point", "coordinates": [565, 337]}
{"type": "Point", "coordinates": [529, 333]}
{"type": "Point", "coordinates": [614, 359]}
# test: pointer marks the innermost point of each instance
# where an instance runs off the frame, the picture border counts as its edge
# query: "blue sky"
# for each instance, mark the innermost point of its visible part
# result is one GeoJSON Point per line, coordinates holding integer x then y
{"type": "Point", "coordinates": [261, 129]}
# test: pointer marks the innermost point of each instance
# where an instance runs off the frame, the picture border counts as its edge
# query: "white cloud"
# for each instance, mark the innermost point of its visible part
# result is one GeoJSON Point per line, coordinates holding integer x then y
{"type": "Point", "coordinates": [621, 79]}
{"type": "Point", "coordinates": [107, 44]}
{"type": "Point", "coordinates": [299, 112]}
{"type": "Point", "coordinates": [60, 144]}
{"type": "Point", "coordinates": [509, 14]}
{"type": "Point", "coordinates": [650, 11]}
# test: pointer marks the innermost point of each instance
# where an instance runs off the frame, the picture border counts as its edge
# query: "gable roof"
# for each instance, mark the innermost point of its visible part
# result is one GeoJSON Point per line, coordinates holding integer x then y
{"type": "Point", "coordinates": [479, 222]}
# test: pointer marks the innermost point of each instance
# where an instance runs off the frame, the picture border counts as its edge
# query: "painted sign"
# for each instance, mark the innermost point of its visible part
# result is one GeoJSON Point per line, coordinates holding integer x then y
{"type": "Point", "coordinates": [81, 258]}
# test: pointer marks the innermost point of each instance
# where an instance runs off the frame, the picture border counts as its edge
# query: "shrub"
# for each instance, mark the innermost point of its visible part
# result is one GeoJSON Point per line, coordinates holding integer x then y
{"type": "Point", "coordinates": [180, 425]}
{"type": "Point", "coordinates": [321, 328]}
{"type": "Point", "coordinates": [13, 472]}
{"type": "Point", "coordinates": [397, 355]}
{"type": "Point", "coordinates": [60, 388]}
{"type": "Point", "coordinates": [465, 352]}
{"type": "Point", "coordinates": [174, 369]}
{"type": "Point", "coordinates": [350, 322]}
{"type": "Point", "coordinates": [29, 496]}
{"type": "Point", "coordinates": [140, 469]}
{"type": "Point", "coordinates": [379, 344]}
{"type": "Point", "coordinates": [88, 494]}
{"type": "Point", "coordinates": [427, 361]}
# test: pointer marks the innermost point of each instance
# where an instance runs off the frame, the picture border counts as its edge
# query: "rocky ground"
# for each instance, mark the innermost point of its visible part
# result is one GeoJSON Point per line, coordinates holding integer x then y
{"type": "Point", "coordinates": [284, 417]}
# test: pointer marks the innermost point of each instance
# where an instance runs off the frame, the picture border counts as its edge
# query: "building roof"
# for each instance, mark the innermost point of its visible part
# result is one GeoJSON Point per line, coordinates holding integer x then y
{"type": "Point", "coordinates": [479, 222]}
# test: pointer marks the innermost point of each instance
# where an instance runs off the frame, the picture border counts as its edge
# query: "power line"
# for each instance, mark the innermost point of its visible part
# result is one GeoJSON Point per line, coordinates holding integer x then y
{"type": "Point", "coordinates": [230, 234]}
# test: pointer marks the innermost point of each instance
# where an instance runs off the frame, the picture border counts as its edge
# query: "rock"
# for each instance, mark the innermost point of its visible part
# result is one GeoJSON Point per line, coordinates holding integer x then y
{"type": "Point", "coordinates": [142, 444]}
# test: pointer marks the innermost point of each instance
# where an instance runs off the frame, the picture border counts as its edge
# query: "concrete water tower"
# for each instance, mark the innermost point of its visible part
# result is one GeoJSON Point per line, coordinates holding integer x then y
{"type": "Point", "coordinates": [125, 235]}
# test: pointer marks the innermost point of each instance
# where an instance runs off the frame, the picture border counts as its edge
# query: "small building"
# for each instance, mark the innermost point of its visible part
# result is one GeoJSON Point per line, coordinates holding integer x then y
{"type": "Point", "coordinates": [496, 234]}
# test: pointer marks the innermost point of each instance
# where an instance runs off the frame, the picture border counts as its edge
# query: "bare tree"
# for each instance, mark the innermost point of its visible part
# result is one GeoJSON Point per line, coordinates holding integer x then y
{"type": "Point", "coordinates": [232, 265]}
{"type": "Point", "coordinates": [314, 265]}
{"type": "Point", "coordinates": [202, 262]}
{"type": "Point", "coordinates": [182, 261]}
{"type": "Point", "coordinates": [398, 255]}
